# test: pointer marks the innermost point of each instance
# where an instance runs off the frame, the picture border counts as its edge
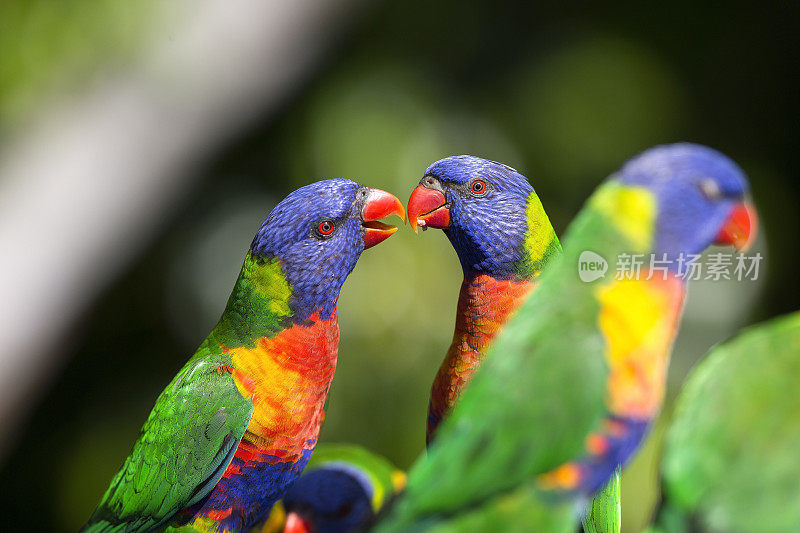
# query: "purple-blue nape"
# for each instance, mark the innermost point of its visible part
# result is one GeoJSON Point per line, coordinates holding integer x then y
{"type": "Point", "coordinates": [685, 161]}
{"type": "Point", "coordinates": [697, 189]}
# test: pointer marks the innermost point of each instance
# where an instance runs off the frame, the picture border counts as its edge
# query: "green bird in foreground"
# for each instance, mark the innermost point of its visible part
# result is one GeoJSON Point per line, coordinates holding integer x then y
{"type": "Point", "coordinates": [570, 387]}
{"type": "Point", "coordinates": [500, 231]}
{"type": "Point", "coordinates": [732, 452]}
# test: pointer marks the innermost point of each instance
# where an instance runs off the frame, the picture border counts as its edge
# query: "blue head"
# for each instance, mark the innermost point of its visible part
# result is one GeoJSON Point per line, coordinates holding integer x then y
{"type": "Point", "coordinates": [700, 194]}
{"type": "Point", "coordinates": [481, 206]}
{"type": "Point", "coordinates": [330, 499]}
{"type": "Point", "coordinates": [318, 233]}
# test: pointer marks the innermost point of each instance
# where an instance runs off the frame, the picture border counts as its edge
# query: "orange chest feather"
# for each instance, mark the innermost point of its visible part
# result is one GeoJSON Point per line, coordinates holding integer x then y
{"type": "Point", "coordinates": [287, 377]}
{"type": "Point", "coordinates": [484, 305]}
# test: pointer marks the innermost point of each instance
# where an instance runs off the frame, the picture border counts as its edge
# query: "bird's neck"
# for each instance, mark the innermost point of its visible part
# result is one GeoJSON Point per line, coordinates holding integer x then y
{"type": "Point", "coordinates": [516, 246]}
{"type": "Point", "coordinates": [484, 305]}
{"type": "Point", "coordinates": [263, 303]}
{"type": "Point", "coordinates": [497, 293]}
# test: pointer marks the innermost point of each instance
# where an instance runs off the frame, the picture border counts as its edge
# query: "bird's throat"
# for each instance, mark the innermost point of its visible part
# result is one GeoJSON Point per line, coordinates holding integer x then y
{"type": "Point", "coordinates": [484, 305]}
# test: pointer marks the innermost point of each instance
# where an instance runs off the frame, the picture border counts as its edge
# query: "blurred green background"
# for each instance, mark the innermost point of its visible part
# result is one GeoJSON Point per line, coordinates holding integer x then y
{"type": "Point", "coordinates": [564, 93]}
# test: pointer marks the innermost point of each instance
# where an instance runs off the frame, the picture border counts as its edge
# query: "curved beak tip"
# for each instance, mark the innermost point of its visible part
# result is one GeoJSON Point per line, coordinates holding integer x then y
{"type": "Point", "coordinates": [427, 208]}
{"type": "Point", "coordinates": [379, 204]}
{"type": "Point", "coordinates": [740, 228]}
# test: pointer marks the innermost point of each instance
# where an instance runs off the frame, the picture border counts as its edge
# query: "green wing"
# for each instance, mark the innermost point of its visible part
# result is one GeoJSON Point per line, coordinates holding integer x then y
{"type": "Point", "coordinates": [182, 451]}
{"type": "Point", "coordinates": [732, 453]}
{"type": "Point", "coordinates": [521, 511]}
{"type": "Point", "coordinates": [604, 514]}
{"type": "Point", "coordinates": [540, 389]}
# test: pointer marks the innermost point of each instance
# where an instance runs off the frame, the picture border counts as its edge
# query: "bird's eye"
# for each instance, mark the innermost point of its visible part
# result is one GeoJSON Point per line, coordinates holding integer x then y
{"type": "Point", "coordinates": [710, 189]}
{"type": "Point", "coordinates": [325, 227]}
{"type": "Point", "coordinates": [478, 187]}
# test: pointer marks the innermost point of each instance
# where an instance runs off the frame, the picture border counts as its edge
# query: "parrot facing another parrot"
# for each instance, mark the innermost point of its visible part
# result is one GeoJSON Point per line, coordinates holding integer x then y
{"type": "Point", "coordinates": [342, 489]}
{"type": "Point", "coordinates": [570, 386]}
{"type": "Point", "coordinates": [503, 238]}
{"type": "Point", "coordinates": [239, 422]}
{"type": "Point", "coordinates": [564, 381]}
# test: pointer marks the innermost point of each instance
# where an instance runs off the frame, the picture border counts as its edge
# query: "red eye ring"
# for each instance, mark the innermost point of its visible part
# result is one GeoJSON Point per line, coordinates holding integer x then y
{"type": "Point", "coordinates": [478, 187]}
{"type": "Point", "coordinates": [325, 227]}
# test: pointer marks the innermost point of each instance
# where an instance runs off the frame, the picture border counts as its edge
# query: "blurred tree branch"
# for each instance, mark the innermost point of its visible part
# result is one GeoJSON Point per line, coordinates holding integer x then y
{"type": "Point", "coordinates": [90, 181]}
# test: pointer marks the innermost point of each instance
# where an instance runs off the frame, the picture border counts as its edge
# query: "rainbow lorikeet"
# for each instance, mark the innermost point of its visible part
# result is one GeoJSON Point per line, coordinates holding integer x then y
{"type": "Point", "coordinates": [731, 460]}
{"type": "Point", "coordinates": [238, 423]}
{"type": "Point", "coordinates": [572, 383]}
{"type": "Point", "coordinates": [503, 238]}
{"type": "Point", "coordinates": [342, 489]}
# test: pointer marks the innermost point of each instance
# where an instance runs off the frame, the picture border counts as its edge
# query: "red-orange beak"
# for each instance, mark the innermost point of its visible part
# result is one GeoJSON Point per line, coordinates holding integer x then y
{"type": "Point", "coordinates": [428, 208]}
{"type": "Point", "coordinates": [740, 228]}
{"type": "Point", "coordinates": [379, 204]}
{"type": "Point", "coordinates": [296, 524]}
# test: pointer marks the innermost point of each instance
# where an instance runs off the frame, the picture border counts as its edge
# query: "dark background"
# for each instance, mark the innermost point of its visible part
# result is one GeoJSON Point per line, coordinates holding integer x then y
{"type": "Point", "coordinates": [563, 93]}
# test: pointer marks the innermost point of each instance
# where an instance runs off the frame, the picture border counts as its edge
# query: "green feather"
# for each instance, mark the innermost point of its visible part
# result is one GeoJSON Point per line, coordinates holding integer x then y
{"type": "Point", "coordinates": [732, 452]}
{"type": "Point", "coordinates": [258, 305]}
{"type": "Point", "coordinates": [521, 511]}
{"type": "Point", "coordinates": [198, 420]}
{"type": "Point", "coordinates": [182, 450]}
{"type": "Point", "coordinates": [604, 515]}
{"type": "Point", "coordinates": [495, 442]}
